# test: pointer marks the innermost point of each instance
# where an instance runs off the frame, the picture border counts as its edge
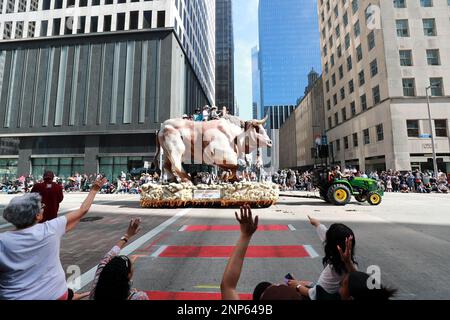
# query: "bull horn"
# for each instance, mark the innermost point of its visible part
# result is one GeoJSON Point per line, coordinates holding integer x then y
{"type": "Point", "coordinates": [262, 122]}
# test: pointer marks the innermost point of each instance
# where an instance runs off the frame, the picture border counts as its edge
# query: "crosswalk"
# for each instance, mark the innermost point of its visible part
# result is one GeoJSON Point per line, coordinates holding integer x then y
{"type": "Point", "coordinates": [165, 250]}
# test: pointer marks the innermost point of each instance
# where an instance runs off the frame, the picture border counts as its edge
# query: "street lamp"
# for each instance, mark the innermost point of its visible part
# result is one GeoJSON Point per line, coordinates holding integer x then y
{"type": "Point", "coordinates": [432, 133]}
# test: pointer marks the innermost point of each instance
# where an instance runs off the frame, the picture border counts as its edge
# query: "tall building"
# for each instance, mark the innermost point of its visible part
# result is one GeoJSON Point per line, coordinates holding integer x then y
{"type": "Point", "coordinates": [299, 133]}
{"type": "Point", "coordinates": [288, 48]}
{"type": "Point", "coordinates": [192, 21]}
{"type": "Point", "coordinates": [277, 115]}
{"type": "Point", "coordinates": [378, 59]}
{"type": "Point", "coordinates": [256, 84]}
{"type": "Point", "coordinates": [224, 55]}
{"type": "Point", "coordinates": [88, 90]}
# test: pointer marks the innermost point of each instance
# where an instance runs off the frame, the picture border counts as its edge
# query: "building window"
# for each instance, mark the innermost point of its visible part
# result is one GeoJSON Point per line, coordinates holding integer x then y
{"type": "Point", "coordinates": [346, 143]}
{"type": "Point", "coordinates": [336, 11]}
{"type": "Point", "coordinates": [62, 167]}
{"type": "Point", "coordinates": [8, 168]}
{"type": "Point", "coordinates": [349, 63]}
{"type": "Point", "coordinates": [332, 60]}
{"type": "Point", "coordinates": [363, 102]}
{"type": "Point", "coordinates": [341, 72]}
{"type": "Point", "coordinates": [373, 68]}
{"type": "Point", "coordinates": [94, 24]}
{"type": "Point", "coordinates": [336, 119]}
{"type": "Point", "coordinates": [436, 87]}
{"type": "Point", "coordinates": [147, 19]}
{"type": "Point", "coordinates": [56, 26]}
{"type": "Point", "coordinates": [426, 3]}
{"type": "Point", "coordinates": [113, 166]}
{"type": "Point", "coordinates": [412, 128]}
{"type": "Point", "coordinates": [406, 58]}
{"type": "Point", "coordinates": [333, 79]}
{"type": "Point", "coordinates": [328, 104]}
{"type": "Point", "coordinates": [402, 28]}
{"type": "Point", "coordinates": [338, 32]}
{"type": "Point", "coordinates": [440, 128]}
{"type": "Point", "coordinates": [44, 27]}
{"type": "Point", "coordinates": [344, 114]}
{"type": "Point", "coordinates": [342, 93]}
{"type": "Point", "coordinates": [108, 1]}
{"type": "Point", "coordinates": [161, 21]}
{"type": "Point", "coordinates": [359, 54]}
{"type": "Point", "coordinates": [357, 29]}
{"type": "Point", "coordinates": [429, 27]}
{"type": "Point", "coordinates": [353, 108]}
{"type": "Point", "coordinates": [355, 6]}
{"type": "Point", "coordinates": [371, 40]}
{"type": "Point", "coordinates": [330, 124]}
{"type": "Point", "coordinates": [338, 145]}
{"type": "Point", "coordinates": [107, 23]}
{"type": "Point", "coordinates": [376, 95]}
{"type": "Point", "coordinates": [409, 89]}
{"type": "Point", "coordinates": [433, 57]}
{"type": "Point", "coordinates": [120, 24]}
{"type": "Point", "coordinates": [327, 86]}
{"type": "Point", "coordinates": [355, 140]}
{"type": "Point", "coordinates": [46, 5]}
{"type": "Point", "coordinates": [335, 100]}
{"type": "Point", "coordinates": [339, 51]}
{"type": "Point", "coordinates": [81, 24]}
{"type": "Point", "coordinates": [347, 41]}
{"type": "Point", "coordinates": [95, 2]}
{"type": "Point", "coordinates": [351, 86]}
{"type": "Point", "coordinates": [399, 3]}
{"type": "Point", "coordinates": [345, 18]}
{"type": "Point", "coordinates": [134, 18]}
{"type": "Point", "coordinates": [362, 80]}
{"type": "Point", "coordinates": [380, 132]}
{"type": "Point", "coordinates": [366, 134]}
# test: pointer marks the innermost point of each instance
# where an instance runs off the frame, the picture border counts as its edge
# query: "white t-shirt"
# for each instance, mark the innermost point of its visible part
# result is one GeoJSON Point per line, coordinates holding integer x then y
{"type": "Point", "coordinates": [329, 279]}
{"type": "Point", "coordinates": [30, 268]}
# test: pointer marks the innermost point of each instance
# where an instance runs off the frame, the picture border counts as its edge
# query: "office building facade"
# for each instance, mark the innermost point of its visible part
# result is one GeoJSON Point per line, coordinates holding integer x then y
{"type": "Point", "coordinates": [299, 134]}
{"type": "Point", "coordinates": [378, 58]}
{"type": "Point", "coordinates": [288, 48]}
{"type": "Point", "coordinates": [91, 98]}
{"type": "Point", "coordinates": [224, 55]}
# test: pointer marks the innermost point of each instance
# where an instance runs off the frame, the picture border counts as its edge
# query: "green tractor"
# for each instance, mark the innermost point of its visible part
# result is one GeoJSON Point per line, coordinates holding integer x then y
{"type": "Point", "coordinates": [340, 191]}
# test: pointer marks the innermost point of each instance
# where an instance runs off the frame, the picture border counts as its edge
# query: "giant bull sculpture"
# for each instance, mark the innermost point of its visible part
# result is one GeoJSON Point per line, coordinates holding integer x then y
{"type": "Point", "coordinates": [219, 142]}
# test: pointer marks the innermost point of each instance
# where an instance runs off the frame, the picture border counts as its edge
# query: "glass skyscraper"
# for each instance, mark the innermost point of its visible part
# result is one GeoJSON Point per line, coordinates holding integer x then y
{"type": "Point", "coordinates": [289, 44]}
{"type": "Point", "coordinates": [224, 55]}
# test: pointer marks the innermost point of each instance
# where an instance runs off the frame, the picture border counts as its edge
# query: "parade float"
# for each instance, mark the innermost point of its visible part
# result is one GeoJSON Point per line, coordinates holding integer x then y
{"type": "Point", "coordinates": [218, 143]}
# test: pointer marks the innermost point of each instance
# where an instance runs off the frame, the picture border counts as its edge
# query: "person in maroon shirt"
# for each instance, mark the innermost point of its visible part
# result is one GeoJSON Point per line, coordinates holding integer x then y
{"type": "Point", "coordinates": [52, 195]}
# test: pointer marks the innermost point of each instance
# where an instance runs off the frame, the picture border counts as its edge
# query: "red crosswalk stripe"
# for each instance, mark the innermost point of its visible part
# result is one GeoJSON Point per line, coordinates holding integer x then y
{"type": "Point", "coordinates": [166, 295]}
{"type": "Point", "coordinates": [225, 252]}
{"type": "Point", "coordinates": [203, 228]}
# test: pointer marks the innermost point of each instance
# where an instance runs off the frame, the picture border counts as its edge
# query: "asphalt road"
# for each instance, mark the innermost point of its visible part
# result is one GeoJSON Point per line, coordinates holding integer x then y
{"type": "Point", "coordinates": [182, 253]}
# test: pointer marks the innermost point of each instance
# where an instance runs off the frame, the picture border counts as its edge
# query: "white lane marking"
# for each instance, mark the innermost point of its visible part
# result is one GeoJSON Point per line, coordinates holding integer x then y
{"type": "Point", "coordinates": [291, 227]}
{"type": "Point", "coordinates": [158, 252]}
{"type": "Point", "coordinates": [312, 253]}
{"type": "Point", "coordinates": [88, 276]}
{"type": "Point", "coordinates": [183, 228]}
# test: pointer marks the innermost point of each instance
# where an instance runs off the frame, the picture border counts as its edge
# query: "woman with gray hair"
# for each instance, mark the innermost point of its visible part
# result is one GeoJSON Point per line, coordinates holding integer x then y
{"type": "Point", "coordinates": [30, 268]}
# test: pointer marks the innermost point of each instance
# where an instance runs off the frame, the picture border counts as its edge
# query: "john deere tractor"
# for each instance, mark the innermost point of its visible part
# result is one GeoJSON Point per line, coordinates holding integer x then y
{"type": "Point", "coordinates": [340, 191]}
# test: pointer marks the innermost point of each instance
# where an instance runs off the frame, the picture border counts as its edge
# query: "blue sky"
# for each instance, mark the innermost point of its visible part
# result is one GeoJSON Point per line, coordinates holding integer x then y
{"type": "Point", "coordinates": [245, 23]}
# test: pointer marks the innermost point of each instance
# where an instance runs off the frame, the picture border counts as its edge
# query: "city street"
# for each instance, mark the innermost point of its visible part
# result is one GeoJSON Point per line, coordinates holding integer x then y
{"type": "Point", "coordinates": [182, 253]}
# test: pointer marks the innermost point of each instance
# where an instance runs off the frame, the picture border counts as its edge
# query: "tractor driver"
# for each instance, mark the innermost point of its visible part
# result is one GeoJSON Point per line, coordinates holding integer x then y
{"type": "Point", "coordinates": [337, 174]}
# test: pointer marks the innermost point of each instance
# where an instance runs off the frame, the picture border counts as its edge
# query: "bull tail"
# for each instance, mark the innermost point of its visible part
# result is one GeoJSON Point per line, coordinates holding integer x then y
{"type": "Point", "coordinates": [158, 151]}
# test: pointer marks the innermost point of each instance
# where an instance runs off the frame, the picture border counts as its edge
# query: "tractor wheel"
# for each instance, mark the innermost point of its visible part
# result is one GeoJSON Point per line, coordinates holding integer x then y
{"type": "Point", "coordinates": [339, 194]}
{"type": "Point", "coordinates": [361, 198]}
{"type": "Point", "coordinates": [374, 199]}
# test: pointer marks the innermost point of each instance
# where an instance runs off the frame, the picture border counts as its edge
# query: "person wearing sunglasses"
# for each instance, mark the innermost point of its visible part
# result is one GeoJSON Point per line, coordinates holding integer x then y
{"type": "Point", "coordinates": [114, 274]}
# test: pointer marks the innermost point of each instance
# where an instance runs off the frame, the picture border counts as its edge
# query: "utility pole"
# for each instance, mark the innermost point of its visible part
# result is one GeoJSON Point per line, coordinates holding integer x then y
{"type": "Point", "coordinates": [432, 134]}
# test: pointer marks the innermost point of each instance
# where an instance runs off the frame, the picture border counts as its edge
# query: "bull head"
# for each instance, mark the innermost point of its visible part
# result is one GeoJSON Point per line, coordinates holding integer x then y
{"type": "Point", "coordinates": [260, 122]}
